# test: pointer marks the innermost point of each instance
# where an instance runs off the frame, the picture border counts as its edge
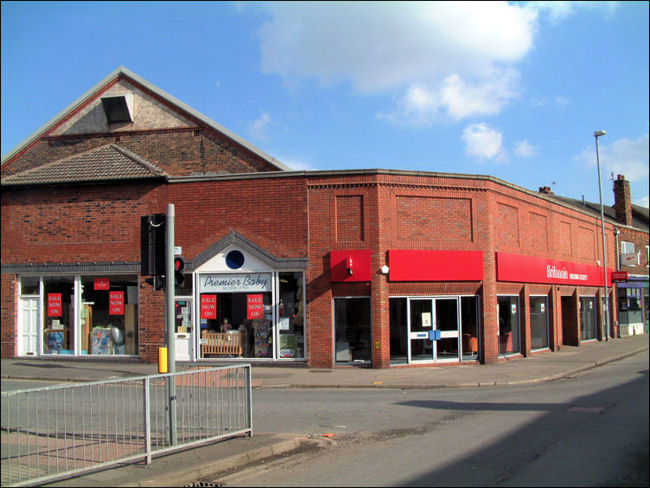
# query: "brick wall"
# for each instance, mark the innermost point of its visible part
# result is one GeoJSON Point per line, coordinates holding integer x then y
{"type": "Point", "coordinates": [306, 215]}
{"type": "Point", "coordinates": [101, 223]}
{"type": "Point", "coordinates": [640, 241]}
{"type": "Point", "coordinates": [414, 212]}
{"type": "Point", "coordinates": [8, 312]}
{"type": "Point", "coordinates": [178, 152]}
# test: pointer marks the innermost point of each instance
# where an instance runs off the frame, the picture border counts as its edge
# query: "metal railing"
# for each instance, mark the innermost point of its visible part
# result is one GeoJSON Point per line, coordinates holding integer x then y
{"type": "Point", "coordinates": [60, 431]}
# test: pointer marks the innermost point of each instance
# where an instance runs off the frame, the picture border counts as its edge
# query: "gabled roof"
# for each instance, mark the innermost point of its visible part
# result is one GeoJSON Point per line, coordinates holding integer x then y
{"type": "Point", "coordinates": [105, 163]}
{"type": "Point", "coordinates": [233, 238]}
{"type": "Point", "coordinates": [123, 72]}
{"type": "Point", "coordinates": [639, 214]}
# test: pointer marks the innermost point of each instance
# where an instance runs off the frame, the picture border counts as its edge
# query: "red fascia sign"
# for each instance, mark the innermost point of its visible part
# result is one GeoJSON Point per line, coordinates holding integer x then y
{"type": "Point", "coordinates": [350, 265]}
{"type": "Point", "coordinates": [209, 307]}
{"type": "Point", "coordinates": [619, 276]}
{"type": "Point", "coordinates": [530, 269]}
{"type": "Point", "coordinates": [54, 305]}
{"type": "Point", "coordinates": [102, 284]}
{"type": "Point", "coordinates": [254, 307]}
{"type": "Point", "coordinates": [116, 303]}
{"type": "Point", "coordinates": [421, 265]}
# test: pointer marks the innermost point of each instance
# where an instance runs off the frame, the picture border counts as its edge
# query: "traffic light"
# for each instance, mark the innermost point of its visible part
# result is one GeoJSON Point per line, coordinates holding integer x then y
{"type": "Point", "coordinates": [179, 278]}
{"type": "Point", "coordinates": [152, 245]}
{"type": "Point", "coordinates": [157, 282]}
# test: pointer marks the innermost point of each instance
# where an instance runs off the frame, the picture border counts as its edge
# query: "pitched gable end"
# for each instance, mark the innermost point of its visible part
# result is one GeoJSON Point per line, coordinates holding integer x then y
{"type": "Point", "coordinates": [124, 103]}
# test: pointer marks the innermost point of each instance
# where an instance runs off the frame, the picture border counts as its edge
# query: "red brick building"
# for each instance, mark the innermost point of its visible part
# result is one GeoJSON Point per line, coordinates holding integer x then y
{"type": "Point", "coordinates": [324, 268]}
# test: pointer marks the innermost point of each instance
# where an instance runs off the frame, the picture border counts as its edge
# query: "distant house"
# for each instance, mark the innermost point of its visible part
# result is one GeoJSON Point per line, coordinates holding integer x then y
{"type": "Point", "coordinates": [374, 268]}
{"type": "Point", "coordinates": [632, 256]}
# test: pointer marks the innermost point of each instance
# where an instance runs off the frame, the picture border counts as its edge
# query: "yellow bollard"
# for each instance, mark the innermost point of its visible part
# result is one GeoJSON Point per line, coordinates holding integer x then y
{"type": "Point", "coordinates": [162, 360]}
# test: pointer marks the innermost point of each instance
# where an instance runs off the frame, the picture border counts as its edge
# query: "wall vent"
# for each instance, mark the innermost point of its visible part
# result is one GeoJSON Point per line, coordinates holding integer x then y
{"type": "Point", "coordinates": [118, 108]}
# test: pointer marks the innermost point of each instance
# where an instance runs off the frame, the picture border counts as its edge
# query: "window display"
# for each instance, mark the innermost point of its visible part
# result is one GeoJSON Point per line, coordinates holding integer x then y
{"type": "Point", "coordinates": [58, 315]}
{"type": "Point", "coordinates": [508, 312]}
{"type": "Point", "coordinates": [587, 318]}
{"type": "Point", "coordinates": [291, 316]}
{"type": "Point", "coordinates": [236, 325]}
{"type": "Point", "coordinates": [539, 322]}
{"type": "Point", "coordinates": [251, 315]}
{"type": "Point", "coordinates": [105, 320]}
{"type": "Point", "coordinates": [109, 315]}
{"type": "Point", "coordinates": [469, 324]}
{"type": "Point", "coordinates": [352, 329]}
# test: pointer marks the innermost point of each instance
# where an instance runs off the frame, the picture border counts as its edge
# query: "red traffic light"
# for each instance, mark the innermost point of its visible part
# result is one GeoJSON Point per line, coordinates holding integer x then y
{"type": "Point", "coordinates": [179, 264]}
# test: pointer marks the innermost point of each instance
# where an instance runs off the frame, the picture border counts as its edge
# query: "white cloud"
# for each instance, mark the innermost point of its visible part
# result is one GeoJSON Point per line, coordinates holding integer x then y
{"type": "Point", "coordinates": [297, 165]}
{"type": "Point", "coordinates": [525, 149]}
{"type": "Point", "coordinates": [258, 128]}
{"type": "Point", "coordinates": [455, 98]}
{"type": "Point", "coordinates": [559, 100]}
{"type": "Point", "coordinates": [556, 11]}
{"type": "Point", "coordinates": [419, 50]}
{"type": "Point", "coordinates": [643, 201]}
{"type": "Point", "coordinates": [628, 157]}
{"type": "Point", "coordinates": [562, 100]}
{"type": "Point", "coordinates": [485, 97]}
{"type": "Point", "coordinates": [484, 142]}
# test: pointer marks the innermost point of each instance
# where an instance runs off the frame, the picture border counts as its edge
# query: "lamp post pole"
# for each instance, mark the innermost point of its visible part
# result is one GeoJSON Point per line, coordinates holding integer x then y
{"type": "Point", "coordinates": [597, 134]}
{"type": "Point", "coordinates": [170, 322]}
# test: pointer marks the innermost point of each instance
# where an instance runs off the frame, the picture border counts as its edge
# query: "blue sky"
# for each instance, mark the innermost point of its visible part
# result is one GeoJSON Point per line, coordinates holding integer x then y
{"type": "Point", "coordinates": [509, 89]}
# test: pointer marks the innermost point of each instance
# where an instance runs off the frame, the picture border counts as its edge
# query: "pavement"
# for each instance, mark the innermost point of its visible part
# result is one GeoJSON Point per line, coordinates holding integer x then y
{"type": "Point", "coordinates": [184, 467]}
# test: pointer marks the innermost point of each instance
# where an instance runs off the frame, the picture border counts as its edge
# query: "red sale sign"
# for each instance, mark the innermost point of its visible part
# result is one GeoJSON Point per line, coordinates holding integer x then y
{"type": "Point", "coordinates": [255, 307]}
{"type": "Point", "coordinates": [54, 305]}
{"type": "Point", "coordinates": [116, 303]}
{"type": "Point", "coordinates": [209, 307]}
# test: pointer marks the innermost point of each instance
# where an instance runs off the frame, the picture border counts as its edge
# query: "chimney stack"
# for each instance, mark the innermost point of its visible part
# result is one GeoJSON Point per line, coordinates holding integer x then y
{"type": "Point", "coordinates": [622, 202]}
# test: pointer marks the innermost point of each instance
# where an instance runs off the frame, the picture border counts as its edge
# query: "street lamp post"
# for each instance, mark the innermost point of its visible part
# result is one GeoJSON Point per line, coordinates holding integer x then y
{"type": "Point", "coordinates": [597, 134]}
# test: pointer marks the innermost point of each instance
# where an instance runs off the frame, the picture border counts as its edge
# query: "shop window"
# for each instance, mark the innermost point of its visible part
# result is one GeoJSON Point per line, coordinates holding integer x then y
{"type": "Point", "coordinates": [509, 336]}
{"type": "Point", "coordinates": [236, 325]}
{"type": "Point", "coordinates": [109, 315]}
{"type": "Point", "coordinates": [469, 324]}
{"type": "Point", "coordinates": [352, 329]}
{"type": "Point", "coordinates": [183, 315]}
{"type": "Point", "coordinates": [30, 285]}
{"type": "Point", "coordinates": [183, 306]}
{"type": "Point", "coordinates": [587, 318]}
{"type": "Point", "coordinates": [539, 322]}
{"type": "Point", "coordinates": [398, 331]}
{"type": "Point", "coordinates": [291, 323]}
{"type": "Point", "coordinates": [58, 315]}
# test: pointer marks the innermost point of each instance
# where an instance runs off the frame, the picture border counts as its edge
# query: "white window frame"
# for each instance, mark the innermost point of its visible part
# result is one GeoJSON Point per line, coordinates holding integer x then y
{"type": "Point", "coordinates": [627, 247]}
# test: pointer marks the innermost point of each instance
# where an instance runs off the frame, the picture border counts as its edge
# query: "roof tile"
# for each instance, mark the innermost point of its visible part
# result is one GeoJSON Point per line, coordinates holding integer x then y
{"type": "Point", "coordinates": [109, 162]}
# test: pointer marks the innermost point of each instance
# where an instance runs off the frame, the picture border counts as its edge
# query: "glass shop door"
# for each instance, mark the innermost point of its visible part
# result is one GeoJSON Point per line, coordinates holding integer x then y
{"type": "Point", "coordinates": [434, 330]}
{"type": "Point", "coordinates": [421, 330]}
